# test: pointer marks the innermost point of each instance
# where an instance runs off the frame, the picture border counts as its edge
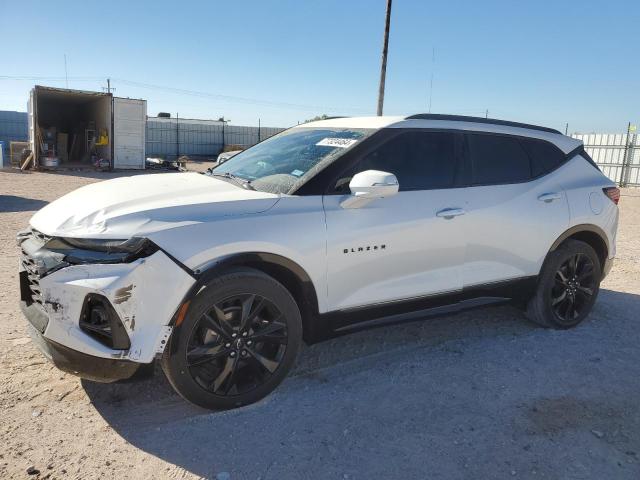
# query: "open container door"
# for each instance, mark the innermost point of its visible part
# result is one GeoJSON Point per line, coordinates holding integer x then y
{"type": "Point", "coordinates": [129, 118]}
{"type": "Point", "coordinates": [31, 111]}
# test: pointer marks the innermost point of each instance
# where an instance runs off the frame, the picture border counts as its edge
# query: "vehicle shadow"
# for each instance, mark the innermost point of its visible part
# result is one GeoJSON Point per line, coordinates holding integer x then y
{"type": "Point", "coordinates": [12, 203]}
{"type": "Point", "coordinates": [345, 394]}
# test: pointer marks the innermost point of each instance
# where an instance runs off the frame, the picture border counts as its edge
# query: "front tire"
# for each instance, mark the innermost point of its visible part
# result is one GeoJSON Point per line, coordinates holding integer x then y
{"type": "Point", "coordinates": [238, 341]}
{"type": "Point", "coordinates": [568, 286]}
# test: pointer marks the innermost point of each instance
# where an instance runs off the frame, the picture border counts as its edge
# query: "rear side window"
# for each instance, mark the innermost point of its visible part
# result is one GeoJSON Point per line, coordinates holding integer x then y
{"type": "Point", "coordinates": [544, 156]}
{"type": "Point", "coordinates": [420, 160]}
{"type": "Point", "coordinates": [497, 159]}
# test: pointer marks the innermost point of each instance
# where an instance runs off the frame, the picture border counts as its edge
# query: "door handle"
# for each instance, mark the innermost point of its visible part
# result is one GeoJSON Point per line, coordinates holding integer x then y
{"type": "Point", "coordinates": [549, 197]}
{"type": "Point", "coordinates": [449, 213]}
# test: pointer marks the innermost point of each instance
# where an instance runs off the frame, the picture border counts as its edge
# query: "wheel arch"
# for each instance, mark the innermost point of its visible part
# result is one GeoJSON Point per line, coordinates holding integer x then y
{"type": "Point", "coordinates": [589, 234]}
{"type": "Point", "coordinates": [289, 273]}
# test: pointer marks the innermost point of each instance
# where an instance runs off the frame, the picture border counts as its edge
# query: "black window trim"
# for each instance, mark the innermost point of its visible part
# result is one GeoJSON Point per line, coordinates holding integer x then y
{"type": "Point", "coordinates": [392, 135]}
{"type": "Point", "coordinates": [519, 138]}
{"type": "Point", "coordinates": [389, 134]}
{"type": "Point", "coordinates": [323, 183]}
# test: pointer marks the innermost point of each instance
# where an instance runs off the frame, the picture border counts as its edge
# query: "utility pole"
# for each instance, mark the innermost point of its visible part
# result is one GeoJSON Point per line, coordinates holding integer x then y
{"type": "Point", "coordinates": [108, 88]}
{"type": "Point", "coordinates": [486, 113]}
{"type": "Point", "coordinates": [258, 130]}
{"type": "Point", "coordinates": [177, 137]}
{"type": "Point", "coordinates": [566, 129]}
{"type": "Point", "coordinates": [383, 67]}
{"type": "Point", "coordinates": [224, 123]}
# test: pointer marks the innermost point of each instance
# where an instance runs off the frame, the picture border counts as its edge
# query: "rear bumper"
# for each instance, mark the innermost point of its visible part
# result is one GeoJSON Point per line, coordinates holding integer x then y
{"type": "Point", "coordinates": [98, 369]}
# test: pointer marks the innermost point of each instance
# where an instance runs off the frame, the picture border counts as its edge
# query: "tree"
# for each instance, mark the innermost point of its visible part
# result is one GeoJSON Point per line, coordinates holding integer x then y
{"type": "Point", "coordinates": [324, 116]}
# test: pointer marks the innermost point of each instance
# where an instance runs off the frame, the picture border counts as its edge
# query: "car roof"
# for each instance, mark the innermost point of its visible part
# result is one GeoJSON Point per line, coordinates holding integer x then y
{"type": "Point", "coordinates": [452, 122]}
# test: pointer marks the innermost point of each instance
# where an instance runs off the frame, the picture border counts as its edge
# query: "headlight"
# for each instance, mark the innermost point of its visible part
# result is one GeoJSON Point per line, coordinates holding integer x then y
{"type": "Point", "coordinates": [85, 250]}
{"type": "Point", "coordinates": [110, 246]}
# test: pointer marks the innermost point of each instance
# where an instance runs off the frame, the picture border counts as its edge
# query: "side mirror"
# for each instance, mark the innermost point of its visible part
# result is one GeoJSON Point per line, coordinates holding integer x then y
{"type": "Point", "coordinates": [369, 185]}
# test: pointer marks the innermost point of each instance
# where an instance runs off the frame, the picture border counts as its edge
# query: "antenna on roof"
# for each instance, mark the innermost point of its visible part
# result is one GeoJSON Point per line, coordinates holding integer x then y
{"type": "Point", "coordinates": [433, 67]}
{"type": "Point", "coordinates": [66, 77]}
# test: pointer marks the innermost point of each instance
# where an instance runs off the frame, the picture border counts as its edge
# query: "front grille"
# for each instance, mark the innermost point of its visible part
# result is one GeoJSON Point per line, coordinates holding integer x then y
{"type": "Point", "coordinates": [30, 281]}
{"type": "Point", "coordinates": [33, 280]}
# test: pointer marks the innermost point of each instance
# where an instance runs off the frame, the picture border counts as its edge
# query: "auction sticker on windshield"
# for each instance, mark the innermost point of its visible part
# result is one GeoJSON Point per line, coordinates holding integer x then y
{"type": "Point", "coordinates": [337, 142]}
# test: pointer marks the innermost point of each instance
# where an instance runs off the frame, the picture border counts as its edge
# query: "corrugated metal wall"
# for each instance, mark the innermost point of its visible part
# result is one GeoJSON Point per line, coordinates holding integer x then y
{"type": "Point", "coordinates": [164, 136]}
{"type": "Point", "coordinates": [204, 138]}
{"type": "Point", "coordinates": [169, 137]}
{"type": "Point", "coordinates": [13, 127]}
{"type": "Point", "coordinates": [248, 136]}
{"type": "Point", "coordinates": [617, 155]}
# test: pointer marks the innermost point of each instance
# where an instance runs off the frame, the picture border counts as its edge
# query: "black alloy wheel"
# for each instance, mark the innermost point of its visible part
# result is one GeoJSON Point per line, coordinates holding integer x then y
{"type": "Point", "coordinates": [237, 345]}
{"type": "Point", "coordinates": [237, 342]}
{"type": "Point", "coordinates": [568, 285]}
{"type": "Point", "coordinates": [574, 285]}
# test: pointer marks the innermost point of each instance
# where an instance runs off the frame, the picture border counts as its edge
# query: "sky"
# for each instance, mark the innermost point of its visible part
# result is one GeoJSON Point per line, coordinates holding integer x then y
{"type": "Point", "coordinates": [283, 61]}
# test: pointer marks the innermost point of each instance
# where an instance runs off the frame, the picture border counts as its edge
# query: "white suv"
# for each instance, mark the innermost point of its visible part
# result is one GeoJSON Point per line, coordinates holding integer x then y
{"type": "Point", "coordinates": [325, 228]}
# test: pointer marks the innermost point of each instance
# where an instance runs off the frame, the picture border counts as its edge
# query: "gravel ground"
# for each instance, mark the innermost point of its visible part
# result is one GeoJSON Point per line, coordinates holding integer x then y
{"type": "Point", "coordinates": [481, 394]}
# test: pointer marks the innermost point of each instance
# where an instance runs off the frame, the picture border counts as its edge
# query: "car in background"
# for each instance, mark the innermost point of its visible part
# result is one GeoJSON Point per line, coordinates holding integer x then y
{"type": "Point", "coordinates": [224, 156]}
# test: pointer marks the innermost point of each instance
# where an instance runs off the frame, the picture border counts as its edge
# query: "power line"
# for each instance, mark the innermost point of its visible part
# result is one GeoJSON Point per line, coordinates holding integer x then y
{"type": "Point", "coordinates": [230, 98]}
{"type": "Point", "coordinates": [195, 93]}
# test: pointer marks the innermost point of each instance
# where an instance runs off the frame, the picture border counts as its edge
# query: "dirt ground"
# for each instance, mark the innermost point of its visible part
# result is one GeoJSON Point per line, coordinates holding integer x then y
{"type": "Point", "coordinates": [478, 395]}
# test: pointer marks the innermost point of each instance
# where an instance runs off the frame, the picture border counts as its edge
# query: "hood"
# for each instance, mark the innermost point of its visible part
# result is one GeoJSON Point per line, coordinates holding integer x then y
{"type": "Point", "coordinates": [143, 204]}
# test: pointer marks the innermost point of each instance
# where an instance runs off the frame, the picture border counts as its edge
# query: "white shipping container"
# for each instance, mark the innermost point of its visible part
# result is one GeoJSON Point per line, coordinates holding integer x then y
{"type": "Point", "coordinates": [129, 117]}
{"type": "Point", "coordinates": [82, 115]}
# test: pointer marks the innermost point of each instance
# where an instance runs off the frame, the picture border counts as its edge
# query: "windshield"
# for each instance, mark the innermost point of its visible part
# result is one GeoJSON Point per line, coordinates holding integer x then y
{"type": "Point", "coordinates": [282, 161]}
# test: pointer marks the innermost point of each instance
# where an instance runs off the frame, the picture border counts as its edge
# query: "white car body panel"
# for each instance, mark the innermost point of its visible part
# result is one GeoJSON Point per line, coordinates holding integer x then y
{"type": "Point", "coordinates": [502, 242]}
{"type": "Point", "coordinates": [422, 253]}
{"type": "Point", "coordinates": [293, 228]}
{"type": "Point", "coordinates": [504, 233]}
{"type": "Point", "coordinates": [140, 205]}
{"type": "Point", "coordinates": [587, 204]}
{"type": "Point", "coordinates": [145, 294]}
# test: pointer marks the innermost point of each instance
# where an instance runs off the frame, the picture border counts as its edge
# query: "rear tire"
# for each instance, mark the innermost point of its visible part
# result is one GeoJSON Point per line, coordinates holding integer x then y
{"type": "Point", "coordinates": [568, 286]}
{"type": "Point", "coordinates": [238, 341]}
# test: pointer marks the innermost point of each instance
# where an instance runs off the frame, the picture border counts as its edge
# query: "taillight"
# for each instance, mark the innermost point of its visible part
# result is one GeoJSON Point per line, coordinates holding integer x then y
{"type": "Point", "coordinates": [613, 193]}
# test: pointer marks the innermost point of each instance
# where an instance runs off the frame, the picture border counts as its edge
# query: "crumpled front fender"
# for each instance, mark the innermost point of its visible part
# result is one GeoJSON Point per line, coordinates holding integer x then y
{"type": "Point", "coordinates": [145, 294]}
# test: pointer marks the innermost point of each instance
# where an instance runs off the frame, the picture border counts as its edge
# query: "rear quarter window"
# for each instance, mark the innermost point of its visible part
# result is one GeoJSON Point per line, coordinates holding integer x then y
{"type": "Point", "coordinates": [544, 156]}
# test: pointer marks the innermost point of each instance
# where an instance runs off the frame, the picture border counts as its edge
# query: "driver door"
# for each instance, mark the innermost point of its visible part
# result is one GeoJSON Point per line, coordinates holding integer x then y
{"type": "Point", "coordinates": [404, 246]}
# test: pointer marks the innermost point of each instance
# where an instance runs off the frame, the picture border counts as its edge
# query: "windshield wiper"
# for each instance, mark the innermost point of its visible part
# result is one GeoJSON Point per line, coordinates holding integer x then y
{"type": "Point", "coordinates": [243, 182]}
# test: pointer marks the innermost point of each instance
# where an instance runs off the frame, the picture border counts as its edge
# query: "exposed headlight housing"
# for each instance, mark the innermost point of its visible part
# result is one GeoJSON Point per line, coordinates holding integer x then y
{"type": "Point", "coordinates": [85, 250]}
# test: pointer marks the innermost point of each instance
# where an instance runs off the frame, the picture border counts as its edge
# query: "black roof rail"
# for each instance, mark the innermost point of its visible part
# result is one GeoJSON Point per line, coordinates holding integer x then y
{"type": "Point", "coordinates": [491, 121]}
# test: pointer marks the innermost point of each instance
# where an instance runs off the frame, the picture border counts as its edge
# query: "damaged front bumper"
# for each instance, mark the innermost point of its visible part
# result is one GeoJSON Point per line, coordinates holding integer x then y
{"type": "Point", "coordinates": [136, 300]}
{"type": "Point", "coordinates": [93, 368]}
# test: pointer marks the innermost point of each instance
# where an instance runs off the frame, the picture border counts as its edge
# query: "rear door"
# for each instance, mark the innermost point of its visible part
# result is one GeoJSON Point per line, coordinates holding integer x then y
{"type": "Point", "coordinates": [400, 247]}
{"type": "Point", "coordinates": [129, 119]}
{"type": "Point", "coordinates": [516, 207]}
